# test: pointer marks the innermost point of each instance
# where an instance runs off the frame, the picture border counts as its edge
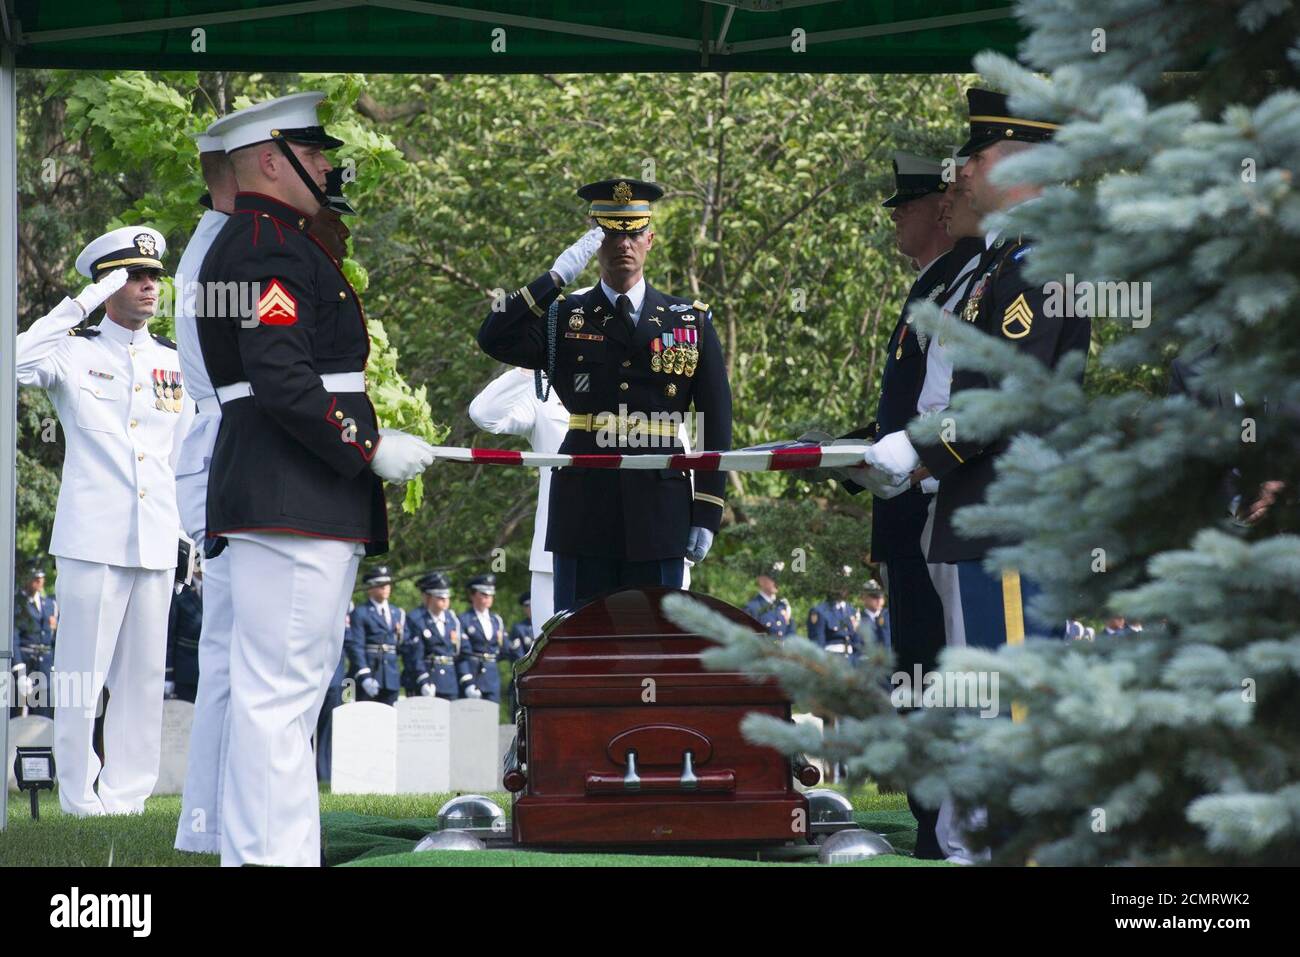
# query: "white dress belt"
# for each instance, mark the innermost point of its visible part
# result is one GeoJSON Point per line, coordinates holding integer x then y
{"type": "Point", "coordinates": [332, 381]}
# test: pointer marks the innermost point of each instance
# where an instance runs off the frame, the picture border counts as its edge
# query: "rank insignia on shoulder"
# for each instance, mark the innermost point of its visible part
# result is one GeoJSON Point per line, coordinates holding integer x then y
{"type": "Point", "coordinates": [1018, 318]}
{"type": "Point", "coordinates": [277, 307]}
{"type": "Point", "coordinates": [701, 306]}
{"type": "Point", "coordinates": [84, 332]}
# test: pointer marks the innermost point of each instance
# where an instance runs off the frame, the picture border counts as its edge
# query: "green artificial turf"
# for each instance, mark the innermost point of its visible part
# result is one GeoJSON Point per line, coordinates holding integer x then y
{"type": "Point", "coordinates": [363, 831]}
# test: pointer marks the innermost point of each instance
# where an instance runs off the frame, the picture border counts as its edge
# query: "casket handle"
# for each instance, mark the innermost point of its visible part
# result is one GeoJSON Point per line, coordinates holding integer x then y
{"type": "Point", "coordinates": [631, 781]}
{"type": "Point", "coordinates": [688, 780]}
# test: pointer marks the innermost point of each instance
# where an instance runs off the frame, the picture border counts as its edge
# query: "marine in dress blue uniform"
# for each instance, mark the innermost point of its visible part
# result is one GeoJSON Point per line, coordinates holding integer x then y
{"type": "Point", "coordinates": [36, 621]}
{"type": "Point", "coordinates": [374, 639]}
{"type": "Point", "coordinates": [184, 629]}
{"type": "Point", "coordinates": [482, 642]}
{"type": "Point", "coordinates": [432, 642]}
{"type": "Point", "coordinates": [767, 607]}
{"type": "Point", "coordinates": [628, 361]}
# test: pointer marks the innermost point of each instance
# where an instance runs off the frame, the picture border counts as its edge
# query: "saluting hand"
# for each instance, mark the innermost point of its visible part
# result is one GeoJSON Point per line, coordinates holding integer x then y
{"type": "Point", "coordinates": [574, 259]}
{"type": "Point", "coordinates": [97, 293]}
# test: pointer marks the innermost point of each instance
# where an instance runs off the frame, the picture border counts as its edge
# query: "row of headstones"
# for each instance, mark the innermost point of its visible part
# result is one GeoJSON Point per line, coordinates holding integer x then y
{"type": "Point", "coordinates": [418, 746]}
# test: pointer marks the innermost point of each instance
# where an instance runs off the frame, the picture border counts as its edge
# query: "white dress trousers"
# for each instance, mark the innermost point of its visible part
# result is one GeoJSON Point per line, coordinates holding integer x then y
{"type": "Point", "coordinates": [288, 636]}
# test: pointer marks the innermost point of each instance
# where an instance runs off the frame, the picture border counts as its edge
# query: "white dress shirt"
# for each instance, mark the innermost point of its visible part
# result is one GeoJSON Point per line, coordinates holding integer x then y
{"type": "Point", "coordinates": [117, 500]}
{"type": "Point", "coordinates": [636, 294]}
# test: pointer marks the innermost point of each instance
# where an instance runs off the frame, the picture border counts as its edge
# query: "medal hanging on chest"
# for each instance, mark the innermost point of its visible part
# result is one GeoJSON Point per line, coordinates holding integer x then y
{"type": "Point", "coordinates": [970, 312]}
{"type": "Point", "coordinates": [656, 355]}
{"type": "Point", "coordinates": [692, 350]}
{"type": "Point", "coordinates": [158, 390]}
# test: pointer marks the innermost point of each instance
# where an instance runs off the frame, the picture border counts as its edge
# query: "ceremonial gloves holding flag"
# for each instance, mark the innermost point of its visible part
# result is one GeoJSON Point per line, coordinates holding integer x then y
{"type": "Point", "coordinates": [889, 465]}
{"type": "Point", "coordinates": [400, 456]}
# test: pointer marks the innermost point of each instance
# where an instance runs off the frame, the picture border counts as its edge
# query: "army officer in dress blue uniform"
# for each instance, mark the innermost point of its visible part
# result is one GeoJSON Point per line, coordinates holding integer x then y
{"type": "Point", "coordinates": [432, 641]}
{"type": "Point", "coordinates": [36, 620]}
{"type": "Point", "coordinates": [770, 610]}
{"type": "Point", "coordinates": [482, 642]}
{"type": "Point", "coordinates": [374, 640]}
{"type": "Point", "coordinates": [628, 361]}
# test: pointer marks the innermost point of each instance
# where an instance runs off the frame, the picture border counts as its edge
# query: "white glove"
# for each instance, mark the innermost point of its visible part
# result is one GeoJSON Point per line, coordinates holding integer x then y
{"type": "Point", "coordinates": [427, 691]}
{"type": "Point", "coordinates": [472, 691]}
{"type": "Point", "coordinates": [893, 454]}
{"type": "Point", "coordinates": [22, 683]}
{"type": "Point", "coordinates": [169, 688]}
{"type": "Point", "coordinates": [698, 543]}
{"type": "Point", "coordinates": [929, 485]}
{"type": "Point", "coordinates": [400, 456]}
{"type": "Point", "coordinates": [574, 259]}
{"type": "Point", "coordinates": [370, 686]}
{"type": "Point", "coordinates": [97, 293]}
{"type": "Point", "coordinates": [878, 483]}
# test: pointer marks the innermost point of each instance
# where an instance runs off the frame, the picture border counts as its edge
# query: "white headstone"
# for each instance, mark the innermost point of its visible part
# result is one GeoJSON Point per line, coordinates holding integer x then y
{"type": "Point", "coordinates": [423, 745]}
{"type": "Point", "coordinates": [177, 720]}
{"type": "Point", "coordinates": [31, 731]}
{"type": "Point", "coordinates": [816, 762]}
{"type": "Point", "coordinates": [505, 738]}
{"type": "Point", "coordinates": [474, 745]}
{"type": "Point", "coordinates": [365, 749]}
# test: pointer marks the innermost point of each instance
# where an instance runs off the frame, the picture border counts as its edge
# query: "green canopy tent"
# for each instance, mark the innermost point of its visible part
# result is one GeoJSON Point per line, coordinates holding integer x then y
{"type": "Point", "coordinates": [476, 36]}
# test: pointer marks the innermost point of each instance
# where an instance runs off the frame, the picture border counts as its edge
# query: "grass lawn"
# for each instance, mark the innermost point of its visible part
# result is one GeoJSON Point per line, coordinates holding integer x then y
{"type": "Point", "coordinates": [361, 831]}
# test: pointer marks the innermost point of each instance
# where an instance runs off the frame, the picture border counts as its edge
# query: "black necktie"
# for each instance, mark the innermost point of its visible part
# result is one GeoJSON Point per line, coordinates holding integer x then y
{"type": "Point", "coordinates": [624, 309]}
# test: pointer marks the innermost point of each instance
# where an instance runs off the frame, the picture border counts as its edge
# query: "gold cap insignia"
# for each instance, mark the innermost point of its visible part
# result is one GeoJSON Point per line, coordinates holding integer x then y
{"type": "Point", "coordinates": [622, 193]}
{"type": "Point", "coordinates": [145, 244]}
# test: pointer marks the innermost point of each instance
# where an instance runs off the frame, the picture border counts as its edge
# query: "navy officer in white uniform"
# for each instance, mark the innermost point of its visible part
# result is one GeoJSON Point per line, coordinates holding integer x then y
{"type": "Point", "coordinates": [120, 397]}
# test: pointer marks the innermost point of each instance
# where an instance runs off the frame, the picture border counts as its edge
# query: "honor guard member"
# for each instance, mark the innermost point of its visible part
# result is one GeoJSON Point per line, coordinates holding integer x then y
{"type": "Point", "coordinates": [36, 623]}
{"type": "Point", "coordinates": [873, 620]}
{"type": "Point", "coordinates": [377, 633]}
{"type": "Point", "coordinates": [916, 210]}
{"type": "Point", "coordinates": [184, 628]}
{"type": "Point", "coordinates": [519, 644]}
{"type": "Point", "coordinates": [482, 642]}
{"type": "Point", "coordinates": [833, 624]}
{"type": "Point", "coordinates": [297, 470]}
{"type": "Point", "coordinates": [628, 361]}
{"type": "Point", "coordinates": [116, 527]}
{"type": "Point", "coordinates": [198, 829]}
{"type": "Point", "coordinates": [767, 608]}
{"type": "Point", "coordinates": [432, 642]}
{"type": "Point", "coordinates": [1002, 302]}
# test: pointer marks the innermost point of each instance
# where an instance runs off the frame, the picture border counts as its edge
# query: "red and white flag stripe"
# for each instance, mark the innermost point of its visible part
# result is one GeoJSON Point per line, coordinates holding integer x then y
{"type": "Point", "coordinates": [738, 460]}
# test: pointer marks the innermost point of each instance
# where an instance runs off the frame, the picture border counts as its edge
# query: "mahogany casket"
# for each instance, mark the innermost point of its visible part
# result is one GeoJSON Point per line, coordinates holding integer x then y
{"type": "Point", "coordinates": [623, 737]}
